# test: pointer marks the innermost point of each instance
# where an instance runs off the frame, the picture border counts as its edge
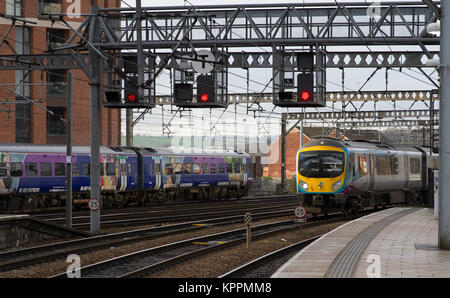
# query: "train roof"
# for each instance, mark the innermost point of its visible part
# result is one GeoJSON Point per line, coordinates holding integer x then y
{"type": "Point", "coordinates": [363, 144]}
{"type": "Point", "coordinates": [27, 148]}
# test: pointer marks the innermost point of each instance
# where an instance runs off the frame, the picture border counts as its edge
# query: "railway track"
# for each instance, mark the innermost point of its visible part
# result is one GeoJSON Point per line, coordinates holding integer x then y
{"type": "Point", "coordinates": [153, 217]}
{"type": "Point", "coordinates": [35, 255]}
{"type": "Point", "coordinates": [60, 211]}
{"type": "Point", "coordinates": [149, 260]}
{"type": "Point", "coordinates": [146, 261]}
{"type": "Point", "coordinates": [266, 265]}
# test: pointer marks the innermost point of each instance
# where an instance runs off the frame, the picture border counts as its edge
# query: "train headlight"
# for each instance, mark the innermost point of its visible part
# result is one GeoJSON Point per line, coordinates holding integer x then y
{"type": "Point", "coordinates": [303, 185]}
{"type": "Point", "coordinates": [337, 185]}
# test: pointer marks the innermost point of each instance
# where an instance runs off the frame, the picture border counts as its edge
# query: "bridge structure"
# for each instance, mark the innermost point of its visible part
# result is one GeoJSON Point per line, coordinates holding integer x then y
{"type": "Point", "coordinates": [252, 36]}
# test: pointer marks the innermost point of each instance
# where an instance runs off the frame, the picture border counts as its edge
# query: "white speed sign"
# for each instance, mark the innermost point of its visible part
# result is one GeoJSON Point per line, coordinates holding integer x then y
{"type": "Point", "coordinates": [300, 212]}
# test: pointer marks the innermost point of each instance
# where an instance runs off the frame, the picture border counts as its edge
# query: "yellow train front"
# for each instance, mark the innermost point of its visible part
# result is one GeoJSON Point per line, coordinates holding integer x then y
{"type": "Point", "coordinates": [353, 175]}
{"type": "Point", "coordinates": [321, 175]}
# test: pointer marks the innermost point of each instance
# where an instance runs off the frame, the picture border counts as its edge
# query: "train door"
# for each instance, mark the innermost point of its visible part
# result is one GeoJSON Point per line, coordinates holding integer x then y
{"type": "Point", "coordinates": [157, 172]}
{"type": "Point", "coordinates": [244, 171]}
{"type": "Point", "coordinates": [123, 174]}
{"type": "Point", "coordinates": [371, 171]}
{"type": "Point", "coordinates": [362, 171]}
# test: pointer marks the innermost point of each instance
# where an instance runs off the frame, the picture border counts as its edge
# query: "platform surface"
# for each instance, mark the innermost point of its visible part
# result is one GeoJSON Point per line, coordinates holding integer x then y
{"type": "Point", "coordinates": [397, 242]}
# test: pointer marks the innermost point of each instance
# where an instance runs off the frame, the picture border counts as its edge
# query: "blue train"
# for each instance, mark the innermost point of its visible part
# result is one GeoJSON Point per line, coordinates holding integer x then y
{"type": "Point", "coordinates": [34, 176]}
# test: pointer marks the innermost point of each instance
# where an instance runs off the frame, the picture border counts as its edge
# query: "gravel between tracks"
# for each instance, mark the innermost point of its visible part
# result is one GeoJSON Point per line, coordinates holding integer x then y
{"type": "Point", "coordinates": [221, 262]}
{"type": "Point", "coordinates": [58, 266]}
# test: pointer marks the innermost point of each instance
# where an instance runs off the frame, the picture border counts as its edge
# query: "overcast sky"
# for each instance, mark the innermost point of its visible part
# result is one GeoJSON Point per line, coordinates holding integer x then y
{"type": "Point", "coordinates": [203, 119]}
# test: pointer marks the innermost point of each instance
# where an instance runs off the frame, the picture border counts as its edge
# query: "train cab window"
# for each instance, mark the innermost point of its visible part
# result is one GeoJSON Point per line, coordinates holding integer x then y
{"type": "Point", "coordinates": [213, 168]}
{"type": "Point", "coordinates": [221, 168]}
{"type": "Point", "coordinates": [362, 165]}
{"type": "Point", "coordinates": [196, 168]}
{"type": "Point", "coordinates": [237, 168]}
{"type": "Point", "coordinates": [85, 169]}
{"type": "Point", "coordinates": [60, 169]}
{"type": "Point", "coordinates": [229, 168]}
{"type": "Point", "coordinates": [31, 169]}
{"type": "Point", "coordinates": [46, 169]}
{"type": "Point", "coordinates": [110, 169]}
{"type": "Point", "coordinates": [414, 165]}
{"type": "Point", "coordinates": [3, 170]}
{"type": "Point", "coordinates": [16, 169]}
{"type": "Point", "coordinates": [177, 168]}
{"type": "Point", "coordinates": [187, 167]}
{"type": "Point", "coordinates": [205, 169]}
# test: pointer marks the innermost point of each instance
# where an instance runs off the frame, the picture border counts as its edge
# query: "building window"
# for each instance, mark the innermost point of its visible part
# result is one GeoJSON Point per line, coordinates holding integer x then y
{"type": "Point", "coordinates": [55, 126]}
{"type": "Point", "coordinates": [56, 80]}
{"type": "Point", "coordinates": [49, 6]}
{"type": "Point", "coordinates": [55, 38]}
{"type": "Point", "coordinates": [14, 8]}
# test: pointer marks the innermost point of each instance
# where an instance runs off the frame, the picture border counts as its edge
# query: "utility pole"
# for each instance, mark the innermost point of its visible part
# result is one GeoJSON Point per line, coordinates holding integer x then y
{"type": "Point", "coordinates": [444, 139]}
{"type": "Point", "coordinates": [283, 151]}
{"type": "Point", "coordinates": [69, 151]}
{"type": "Point", "coordinates": [94, 59]}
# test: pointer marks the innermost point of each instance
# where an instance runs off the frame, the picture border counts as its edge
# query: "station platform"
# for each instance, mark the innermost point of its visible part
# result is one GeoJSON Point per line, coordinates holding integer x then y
{"type": "Point", "coordinates": [397, 242]}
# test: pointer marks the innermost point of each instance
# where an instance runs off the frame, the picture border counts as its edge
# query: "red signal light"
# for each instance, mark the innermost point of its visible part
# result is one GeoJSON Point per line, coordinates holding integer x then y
{"type": "Point", "coordinates": [305, 95]}
{"type": "Point", "coordinates": [204, 97]}
{"type": "Point", "coordinates": [131, 97]}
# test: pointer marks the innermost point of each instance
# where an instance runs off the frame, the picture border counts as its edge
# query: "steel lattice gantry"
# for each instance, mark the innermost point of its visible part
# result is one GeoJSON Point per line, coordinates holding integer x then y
{"type": "Point", "coordinates": [309, 24]}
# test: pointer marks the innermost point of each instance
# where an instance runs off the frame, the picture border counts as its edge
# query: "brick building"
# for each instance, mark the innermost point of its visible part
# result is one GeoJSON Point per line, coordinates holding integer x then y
{"type": "Point", "coordinates": [293, 144]}
{"type": "Point", "coordinates": [25, 122]}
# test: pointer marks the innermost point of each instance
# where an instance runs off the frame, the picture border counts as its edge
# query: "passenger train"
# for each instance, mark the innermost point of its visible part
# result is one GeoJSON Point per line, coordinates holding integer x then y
{"type": "Point", "coordinates": [34, 176]}
{"type": "Point", "coordinates": [352, 175]}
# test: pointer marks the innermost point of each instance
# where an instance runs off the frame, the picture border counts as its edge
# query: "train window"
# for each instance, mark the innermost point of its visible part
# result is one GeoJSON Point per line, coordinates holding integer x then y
{"type": "Point", "coordinates": [229, 168]}
{"type": "Point", "coordinates": [31, 169]}
{"type": "Point", "coordinates": [187, 168]}
{"type": "Point", "coordinates": [110, 169]}
{"type": "Point", "coordinates": [123, 169]}
{"type": "Point", "coordinates": [237, 168]}
{"type": "Point", "coordinates": [130, 171]}
{"type": "Point", "coordinates": [205, 169]}
{"type": "Point", "coordinates": [158, 169]}
{"type": "Point", "coordinates": [85, 169]}
{"type": "Point", "coordinates": [46, 169]}
{"type": "Point", "coordinates": [221, 168]}
{"type": "Point", "coordinates": [362, 165]}
{"type": "Point", "coordinates": [60, 169]}
{"type": "Point", "coordinates": [75, 170]}
{"type": "Point", "coordinates": [244, 167]}
{"type": "Point", "coordinates": [16, 169]}
{"type": "Point", "coordinates": [372, 166]}
{"type": "Point", "coordinates": [196, 168]}
{"type": "Point", "coordinates": [168, 170]}
{"type": "Point", "coordinates": [151, 169]}
{"type": "Point", "coordinates": [394, 166]}
{"type": "Point", "coordinates": [102, 170]}
{"type": "Point", "coordinates": [384, 165]}
{"type": "Point", "coordinates": [177, 168]}
{"type": "Point", "coordinates": [414, 165]}
{"type": "Point", "coordinates": [213, 168]}
{"type": "Point", "coordinates": [3, 170]}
